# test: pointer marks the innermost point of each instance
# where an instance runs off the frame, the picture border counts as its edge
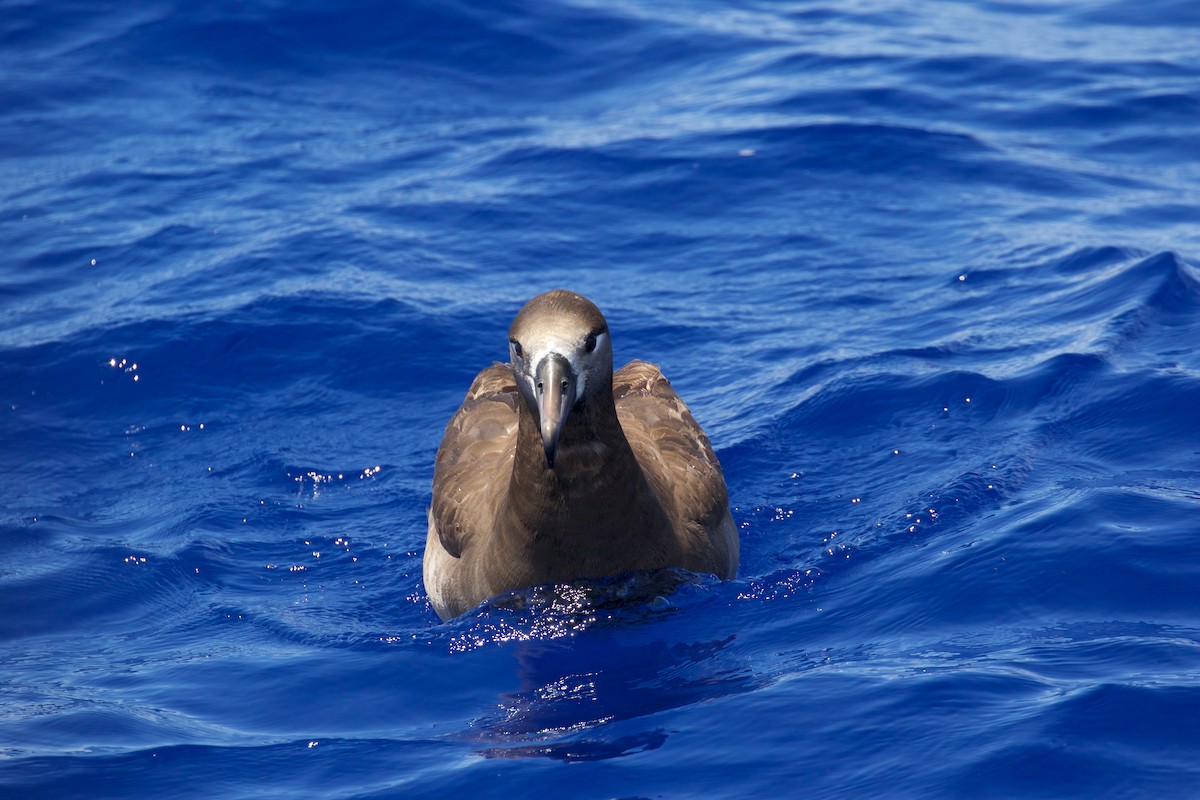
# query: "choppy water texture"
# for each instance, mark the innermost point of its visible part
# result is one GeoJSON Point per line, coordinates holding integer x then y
{"type": "Point", "coordinates": [926, 271]}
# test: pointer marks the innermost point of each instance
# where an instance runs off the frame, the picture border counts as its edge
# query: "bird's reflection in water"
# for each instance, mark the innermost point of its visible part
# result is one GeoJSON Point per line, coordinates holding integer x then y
{"type": "Point", "coordinates": [588, 660]}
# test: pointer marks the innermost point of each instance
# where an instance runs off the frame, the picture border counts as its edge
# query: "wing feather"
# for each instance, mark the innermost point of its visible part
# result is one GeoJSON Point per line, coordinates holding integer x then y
{"type": "Point", "coordinates": [679, 463]}
{"type": "Point", "coordinates": [478, 443]}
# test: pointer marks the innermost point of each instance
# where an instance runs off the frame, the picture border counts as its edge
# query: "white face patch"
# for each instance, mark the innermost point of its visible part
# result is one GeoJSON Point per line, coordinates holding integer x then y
{"type": "Point", "coordinates": [583, 363]}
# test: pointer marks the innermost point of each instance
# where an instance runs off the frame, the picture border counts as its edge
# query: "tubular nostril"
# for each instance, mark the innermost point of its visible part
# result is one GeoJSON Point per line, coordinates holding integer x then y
{"type": "Point", "coordinates": [563, 387]}
{"type": "Point", "coordinates": [540, 386]}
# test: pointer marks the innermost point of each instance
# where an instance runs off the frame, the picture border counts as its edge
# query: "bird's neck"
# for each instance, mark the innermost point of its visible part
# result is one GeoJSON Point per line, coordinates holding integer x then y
{"type": "Point", "coordinates": [593, 502]}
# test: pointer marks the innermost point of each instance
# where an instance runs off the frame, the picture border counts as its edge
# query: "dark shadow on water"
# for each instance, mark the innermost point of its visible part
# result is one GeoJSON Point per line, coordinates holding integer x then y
{"type": "Point", "coordinates": [584, 749]}
{"type": "Point", "coordinates": [592, 657]}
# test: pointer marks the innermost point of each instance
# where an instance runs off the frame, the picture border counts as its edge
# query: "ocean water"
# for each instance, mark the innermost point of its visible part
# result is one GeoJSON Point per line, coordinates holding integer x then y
{"type": "Point", "coordinates": [927, 272]}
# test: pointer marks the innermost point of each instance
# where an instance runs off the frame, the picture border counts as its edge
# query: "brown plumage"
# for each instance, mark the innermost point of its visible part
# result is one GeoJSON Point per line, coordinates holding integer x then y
{"type": "Point", "coordinates": [554, 469]}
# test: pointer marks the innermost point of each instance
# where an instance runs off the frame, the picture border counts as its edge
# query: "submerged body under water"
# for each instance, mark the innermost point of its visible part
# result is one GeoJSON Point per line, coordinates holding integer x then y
{"type": "Point", "coordinates": [926, 274]}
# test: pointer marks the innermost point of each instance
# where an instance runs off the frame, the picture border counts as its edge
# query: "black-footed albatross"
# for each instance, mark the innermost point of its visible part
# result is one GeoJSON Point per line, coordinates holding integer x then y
{"type": "Point", "coordinates": [554, 469]}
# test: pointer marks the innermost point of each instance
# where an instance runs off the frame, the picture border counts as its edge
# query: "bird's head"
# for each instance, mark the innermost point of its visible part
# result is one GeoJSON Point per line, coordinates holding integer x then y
{"type": "Point", "coordinates": [562, 359]}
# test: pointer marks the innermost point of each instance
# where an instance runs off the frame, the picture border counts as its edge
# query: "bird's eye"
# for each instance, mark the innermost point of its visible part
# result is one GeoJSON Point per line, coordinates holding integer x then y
{"type": "Point", "coordinates": [589, 344]}
{"type": "Point", "coordinates": [516, 348]}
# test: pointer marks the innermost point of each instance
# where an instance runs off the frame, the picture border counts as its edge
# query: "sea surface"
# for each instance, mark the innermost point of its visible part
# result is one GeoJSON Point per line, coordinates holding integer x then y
{"type": "Point", "coordinates": [927, 272]}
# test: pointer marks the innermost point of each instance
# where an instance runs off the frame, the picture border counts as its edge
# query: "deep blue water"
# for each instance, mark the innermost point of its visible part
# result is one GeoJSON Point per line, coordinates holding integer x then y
{"type": "Point", "coordinates": [927, 272]}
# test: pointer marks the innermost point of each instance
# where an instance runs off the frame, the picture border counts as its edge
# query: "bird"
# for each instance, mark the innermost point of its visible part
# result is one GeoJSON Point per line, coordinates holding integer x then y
{"type": "Point", "coordinates": [555, 470]}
